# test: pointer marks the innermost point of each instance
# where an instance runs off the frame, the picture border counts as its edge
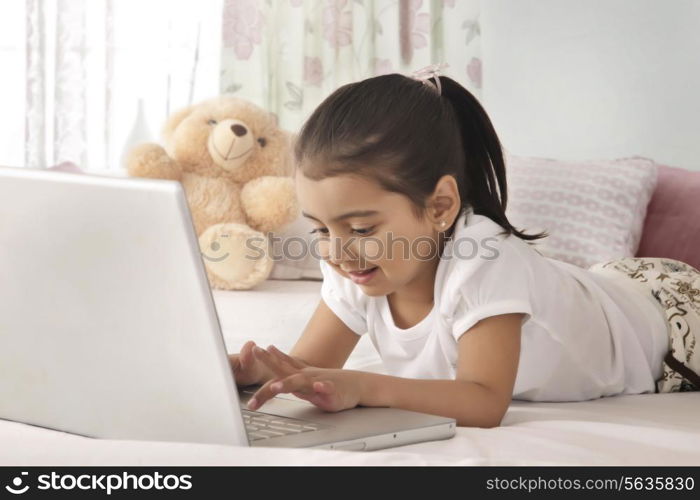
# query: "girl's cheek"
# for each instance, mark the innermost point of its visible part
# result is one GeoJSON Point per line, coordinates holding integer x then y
{"type": "Point", "coordinates": [372, 250]}
{"type": "Point", "coordinates": [424, 249]}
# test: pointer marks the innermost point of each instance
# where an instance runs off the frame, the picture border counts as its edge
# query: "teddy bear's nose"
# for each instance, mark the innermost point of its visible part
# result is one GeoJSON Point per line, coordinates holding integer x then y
{"type": "Point", "coordinates": [239, 130]}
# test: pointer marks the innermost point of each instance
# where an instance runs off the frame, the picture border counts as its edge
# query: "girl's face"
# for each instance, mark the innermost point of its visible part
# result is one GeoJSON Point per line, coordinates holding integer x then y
{"type": "Point", "coordinates": [359, 226]}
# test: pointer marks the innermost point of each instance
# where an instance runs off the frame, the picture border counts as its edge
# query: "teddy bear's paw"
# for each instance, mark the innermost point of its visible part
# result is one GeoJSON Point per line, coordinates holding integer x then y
{"type": "Point", "coordinates": [150, 160]}
{"type": "Point", "coordinates": [236, 257]}
{"type": "Point", "coordinates": [270, 202]}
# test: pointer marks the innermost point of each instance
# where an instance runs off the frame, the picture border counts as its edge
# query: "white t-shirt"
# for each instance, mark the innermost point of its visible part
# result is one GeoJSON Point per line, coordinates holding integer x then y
{"type": "Point", "coordinates": [584, 336]}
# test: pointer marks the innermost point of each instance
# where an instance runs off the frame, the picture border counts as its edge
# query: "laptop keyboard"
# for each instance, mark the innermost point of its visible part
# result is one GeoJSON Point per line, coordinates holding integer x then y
{"type": "Point", "coordinates": [264, 426]}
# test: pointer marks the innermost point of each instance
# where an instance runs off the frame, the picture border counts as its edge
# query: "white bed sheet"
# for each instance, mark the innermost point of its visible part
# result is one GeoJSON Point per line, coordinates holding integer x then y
{"type": "Point", "coordinates": [648, 429]}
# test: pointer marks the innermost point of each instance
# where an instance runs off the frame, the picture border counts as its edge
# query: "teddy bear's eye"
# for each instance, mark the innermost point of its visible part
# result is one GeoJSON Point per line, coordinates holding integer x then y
{"type": "Point", "coordinates": [212, 122]}
{"type": "Point", "coordinates": [262, 141]}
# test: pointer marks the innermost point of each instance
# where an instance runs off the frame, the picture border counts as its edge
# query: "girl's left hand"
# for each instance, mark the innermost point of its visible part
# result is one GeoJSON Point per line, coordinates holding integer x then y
{"type": "Point", "coordinates": [330, 389]}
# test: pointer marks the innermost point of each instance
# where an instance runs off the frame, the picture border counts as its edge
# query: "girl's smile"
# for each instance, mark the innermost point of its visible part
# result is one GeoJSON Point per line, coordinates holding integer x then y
{"type": "Point", "coordinates": [363, 277]}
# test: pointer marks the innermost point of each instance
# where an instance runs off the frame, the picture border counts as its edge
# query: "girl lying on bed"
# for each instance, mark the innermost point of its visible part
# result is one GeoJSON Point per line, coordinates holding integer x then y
{"type": "Point", "coordinates": [404, 179]}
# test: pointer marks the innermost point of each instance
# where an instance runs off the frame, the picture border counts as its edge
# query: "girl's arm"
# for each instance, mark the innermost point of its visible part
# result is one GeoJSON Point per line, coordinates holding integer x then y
{"type": "Point", "coordinates": [326, 342]}
{"type": "Point", "coordinates": [482, 390]}
{"type": "Point", "coordinates": [478, 397]}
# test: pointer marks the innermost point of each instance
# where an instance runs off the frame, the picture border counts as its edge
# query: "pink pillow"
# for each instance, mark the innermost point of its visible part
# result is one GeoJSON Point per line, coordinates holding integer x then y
{"type": "Point", "coordinates": [593, 210]}
{"type": "Point", "coordinates": [672, 225]}
{"type": "Point", "coordinates": [67, 166]}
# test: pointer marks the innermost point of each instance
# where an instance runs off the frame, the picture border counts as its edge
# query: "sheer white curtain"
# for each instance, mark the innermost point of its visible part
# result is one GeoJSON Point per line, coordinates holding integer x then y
{"type": "Point", "coordinates": [75, 71]}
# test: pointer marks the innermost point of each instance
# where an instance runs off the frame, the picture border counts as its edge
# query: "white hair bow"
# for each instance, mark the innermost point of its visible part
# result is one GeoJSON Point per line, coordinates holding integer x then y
{"type": "Point", "coordinates": [431, 71]}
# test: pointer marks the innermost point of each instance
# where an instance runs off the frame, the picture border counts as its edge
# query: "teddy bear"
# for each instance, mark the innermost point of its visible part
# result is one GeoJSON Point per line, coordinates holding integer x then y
{"type": "Point", "coordinates": [235, 166]}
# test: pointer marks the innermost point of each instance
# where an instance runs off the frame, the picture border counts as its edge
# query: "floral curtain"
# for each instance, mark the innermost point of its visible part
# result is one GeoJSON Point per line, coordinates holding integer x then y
{"type": "Point", "coordinates": [288, 55]}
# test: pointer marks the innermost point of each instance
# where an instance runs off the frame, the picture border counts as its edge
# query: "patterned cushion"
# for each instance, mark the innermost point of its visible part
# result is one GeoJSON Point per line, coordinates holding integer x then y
{"type": "Point", "coordinates": [593, 210]}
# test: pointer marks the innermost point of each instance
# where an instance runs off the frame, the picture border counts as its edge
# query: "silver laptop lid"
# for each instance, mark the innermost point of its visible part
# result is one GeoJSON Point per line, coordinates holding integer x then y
{"type": "Point", "coordinates": [101, 281]}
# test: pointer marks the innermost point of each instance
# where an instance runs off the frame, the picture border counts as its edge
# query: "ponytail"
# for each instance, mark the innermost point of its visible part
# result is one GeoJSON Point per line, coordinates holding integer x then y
{"type": "Point", "coordinates": [483, 186]}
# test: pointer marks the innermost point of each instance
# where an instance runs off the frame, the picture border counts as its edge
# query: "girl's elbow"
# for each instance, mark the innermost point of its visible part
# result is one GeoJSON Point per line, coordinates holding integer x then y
{"type": "Point", "coordinates": [483, 421]}
{"type": "Point", "coordinates": [497, 422]}
{"type": "Point", "coordinates": [500, 407]}
{"type": "Point", "coordinates": [487, 418]}
{"type": "Point", "coordinates": [480, 423]}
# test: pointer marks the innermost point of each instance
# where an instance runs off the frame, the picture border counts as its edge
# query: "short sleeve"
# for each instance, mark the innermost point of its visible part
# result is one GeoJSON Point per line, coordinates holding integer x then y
{"type": "Point", "coordinates": [499, 285]}
{"type": "Point", "coordinates": [344, 298]}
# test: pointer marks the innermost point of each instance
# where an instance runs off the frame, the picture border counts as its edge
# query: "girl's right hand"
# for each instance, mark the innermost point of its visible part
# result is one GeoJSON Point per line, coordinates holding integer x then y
{"type": "Point", "coordinates": [247, 369]}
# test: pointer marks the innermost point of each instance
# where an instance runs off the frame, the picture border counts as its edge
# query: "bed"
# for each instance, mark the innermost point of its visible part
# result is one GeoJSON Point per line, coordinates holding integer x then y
{"type": "Point", "coordinates": [645, 429]}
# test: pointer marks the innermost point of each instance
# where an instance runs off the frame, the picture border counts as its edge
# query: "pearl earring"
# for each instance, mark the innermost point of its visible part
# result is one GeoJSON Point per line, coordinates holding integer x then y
{"type": "Point", "coordinates": [442, 223]}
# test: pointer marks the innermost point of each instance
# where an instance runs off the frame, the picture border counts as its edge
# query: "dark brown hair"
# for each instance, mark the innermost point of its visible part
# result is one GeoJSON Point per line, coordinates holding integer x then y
{"type": "Point", "coordinates": [402, 134]}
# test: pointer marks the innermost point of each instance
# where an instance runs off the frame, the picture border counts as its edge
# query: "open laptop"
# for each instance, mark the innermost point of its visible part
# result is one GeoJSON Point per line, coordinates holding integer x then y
{"type": "Point", "coordinates": [108, 328]}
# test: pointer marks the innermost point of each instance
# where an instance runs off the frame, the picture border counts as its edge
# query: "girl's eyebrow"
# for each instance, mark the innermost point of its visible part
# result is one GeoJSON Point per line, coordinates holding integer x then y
{"type": "Point", "coordinates": [356, 213]}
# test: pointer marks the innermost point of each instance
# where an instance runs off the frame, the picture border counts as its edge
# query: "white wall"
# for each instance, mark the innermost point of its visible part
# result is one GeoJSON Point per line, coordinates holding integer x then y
{"type": "Point", "coordinates": [584, 79]}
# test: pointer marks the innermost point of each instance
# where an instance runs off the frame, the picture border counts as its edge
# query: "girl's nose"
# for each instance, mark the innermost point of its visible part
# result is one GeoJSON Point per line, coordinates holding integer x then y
{"type": "Point", "coordinates": [339, 251]}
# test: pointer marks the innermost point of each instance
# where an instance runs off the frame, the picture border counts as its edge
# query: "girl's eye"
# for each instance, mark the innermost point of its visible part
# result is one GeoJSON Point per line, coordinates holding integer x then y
{"type": "Point", "coordinates": [361, 232]}
{"type": "Point", "coordinates": [212, 122]}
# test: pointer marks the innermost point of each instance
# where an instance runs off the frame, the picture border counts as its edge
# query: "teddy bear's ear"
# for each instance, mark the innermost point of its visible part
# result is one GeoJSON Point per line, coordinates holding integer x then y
{"type": "Point", "coordinates": [173, 121]}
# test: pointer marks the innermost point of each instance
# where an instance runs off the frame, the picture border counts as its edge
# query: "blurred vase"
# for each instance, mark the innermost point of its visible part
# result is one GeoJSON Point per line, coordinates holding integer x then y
{"type": "Point", "coordinates": [140, 133]}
